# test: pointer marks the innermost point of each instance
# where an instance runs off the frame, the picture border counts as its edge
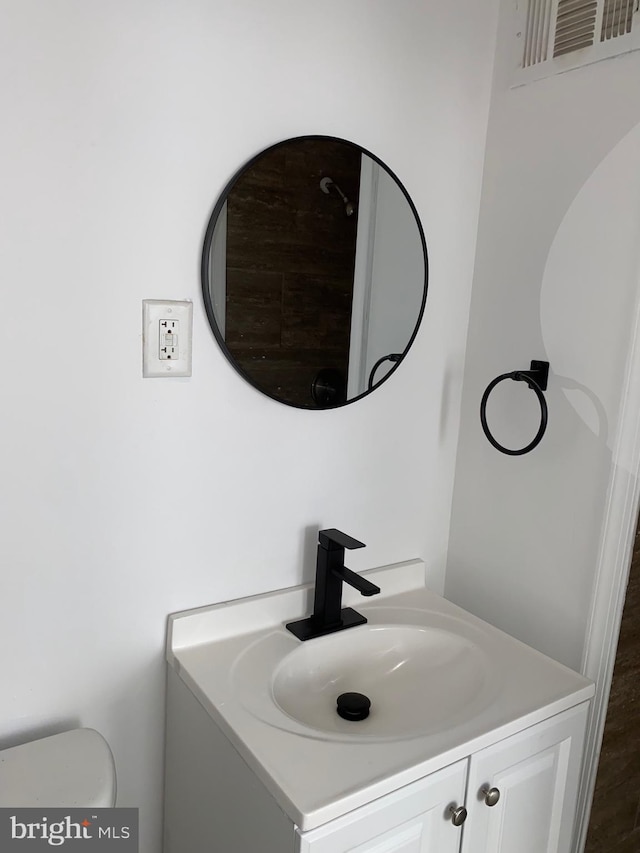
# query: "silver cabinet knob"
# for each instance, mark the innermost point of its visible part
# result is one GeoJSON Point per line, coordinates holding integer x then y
{"type": "Point", "coordinates": [458, 815]}
{"type": "Point", "coordinates": [491, 796]}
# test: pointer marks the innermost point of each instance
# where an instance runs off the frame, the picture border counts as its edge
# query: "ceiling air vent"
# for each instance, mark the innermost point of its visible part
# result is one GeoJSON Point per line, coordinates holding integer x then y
{"type": "Point", "coordinates": [557, 35]}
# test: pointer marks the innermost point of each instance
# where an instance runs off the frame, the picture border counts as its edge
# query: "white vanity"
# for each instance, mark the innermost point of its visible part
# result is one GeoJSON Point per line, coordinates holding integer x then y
{"type": "Point", "coordinates": [473, 744]}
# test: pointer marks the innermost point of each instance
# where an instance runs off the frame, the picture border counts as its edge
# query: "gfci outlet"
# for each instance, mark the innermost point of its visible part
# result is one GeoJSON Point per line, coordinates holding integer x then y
{"type": "Point", "coordinates": [166, 338]}
{"type": "Point", "coordinates": [169, 339]}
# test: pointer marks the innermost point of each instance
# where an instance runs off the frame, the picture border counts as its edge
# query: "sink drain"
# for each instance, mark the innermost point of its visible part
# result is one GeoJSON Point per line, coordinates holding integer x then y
{"type": "Point", "coordinates": [353, 706]}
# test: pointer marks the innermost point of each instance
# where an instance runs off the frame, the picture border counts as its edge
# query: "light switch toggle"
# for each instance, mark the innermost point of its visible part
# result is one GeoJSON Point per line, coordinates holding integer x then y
{"type": "Point", "coordinates": [168, 339]}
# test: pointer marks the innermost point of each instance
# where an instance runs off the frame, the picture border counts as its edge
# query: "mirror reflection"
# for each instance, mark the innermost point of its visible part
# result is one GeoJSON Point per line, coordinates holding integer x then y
{"type": "Point", "coordinates": [314, 272]}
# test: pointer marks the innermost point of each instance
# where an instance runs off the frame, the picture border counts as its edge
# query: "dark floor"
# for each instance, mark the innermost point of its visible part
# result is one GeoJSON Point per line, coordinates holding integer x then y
{"type": "Point", "coordinates": [615, 814]}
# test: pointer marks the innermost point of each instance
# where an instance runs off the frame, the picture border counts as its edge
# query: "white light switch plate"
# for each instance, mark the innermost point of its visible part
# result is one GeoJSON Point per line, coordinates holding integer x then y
{"type": "Point", "coordinates": [166, 338]}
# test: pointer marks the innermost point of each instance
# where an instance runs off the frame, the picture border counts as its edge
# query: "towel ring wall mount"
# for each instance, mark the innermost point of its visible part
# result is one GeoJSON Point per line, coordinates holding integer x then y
{"type": "Point", "coordinates": [536, 378]}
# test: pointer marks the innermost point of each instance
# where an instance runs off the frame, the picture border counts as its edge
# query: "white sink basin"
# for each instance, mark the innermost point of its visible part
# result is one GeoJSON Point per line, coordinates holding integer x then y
{"type": "Point", "coordinates": [421, 671]}
{"type": "Point", "coordinates": [417, 679]}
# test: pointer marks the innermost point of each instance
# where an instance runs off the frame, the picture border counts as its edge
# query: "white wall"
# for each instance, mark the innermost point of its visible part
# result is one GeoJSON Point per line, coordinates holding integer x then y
{"type": "Point", "coordinates": [126, 499]}
{"type": "Point", "coordinates": [556, 278]}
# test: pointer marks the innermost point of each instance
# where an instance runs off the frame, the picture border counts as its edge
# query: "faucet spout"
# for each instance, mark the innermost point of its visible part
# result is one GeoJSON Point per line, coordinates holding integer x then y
{"type": "Point", "coordinates": [328, 614]}
{"type": "Point", "coordinates": [363, 586]}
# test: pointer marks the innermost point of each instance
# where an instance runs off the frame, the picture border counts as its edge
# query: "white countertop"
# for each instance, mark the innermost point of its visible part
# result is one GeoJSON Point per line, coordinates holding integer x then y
{"type": "Point", "coordinates": [314, 778]}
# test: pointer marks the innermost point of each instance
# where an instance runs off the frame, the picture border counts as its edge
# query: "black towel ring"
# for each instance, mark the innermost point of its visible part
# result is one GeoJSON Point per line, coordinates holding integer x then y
{"type": "Point", "coordinates": [536, 378]}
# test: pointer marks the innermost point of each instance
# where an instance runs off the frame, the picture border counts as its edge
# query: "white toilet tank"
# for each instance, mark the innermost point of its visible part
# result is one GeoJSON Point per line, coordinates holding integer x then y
{"type": "Point", "coordinates": [72, 769]}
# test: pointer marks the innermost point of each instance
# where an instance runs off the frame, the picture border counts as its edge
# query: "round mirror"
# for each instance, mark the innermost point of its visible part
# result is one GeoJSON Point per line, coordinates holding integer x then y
{"type": "Point", "coordinates": [314, 272]}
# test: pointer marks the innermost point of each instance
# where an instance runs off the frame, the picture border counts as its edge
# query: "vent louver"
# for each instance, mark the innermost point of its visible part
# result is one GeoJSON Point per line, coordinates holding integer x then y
{"type": "Point", "coordinates": [617, 16]}
{"type": "Point", "coordinates": [563, 34]}
{"type": "Point", "coordinates": [537, 32]}
{"type": "Point", "coordinates": [575, 25]}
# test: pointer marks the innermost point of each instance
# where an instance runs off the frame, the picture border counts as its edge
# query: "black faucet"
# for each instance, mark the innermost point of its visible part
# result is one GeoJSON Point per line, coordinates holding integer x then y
{"type": "Point", "coordinates": [328, 613]}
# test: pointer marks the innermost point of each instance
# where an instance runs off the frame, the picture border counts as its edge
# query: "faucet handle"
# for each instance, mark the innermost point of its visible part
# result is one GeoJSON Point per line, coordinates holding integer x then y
{"type": "Point", "coordinates": [333, 539]}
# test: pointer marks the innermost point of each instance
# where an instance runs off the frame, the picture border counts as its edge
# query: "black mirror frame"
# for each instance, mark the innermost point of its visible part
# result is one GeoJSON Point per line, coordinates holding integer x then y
{"type": "Point", "coordinates": [205, 266]}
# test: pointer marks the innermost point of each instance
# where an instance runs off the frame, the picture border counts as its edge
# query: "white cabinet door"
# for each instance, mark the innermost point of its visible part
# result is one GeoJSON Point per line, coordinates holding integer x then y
{"type": "Point", "coordinates": [414, 819]}
{"type": "Point", "coordinates": [536, 773]}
